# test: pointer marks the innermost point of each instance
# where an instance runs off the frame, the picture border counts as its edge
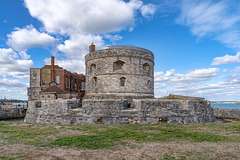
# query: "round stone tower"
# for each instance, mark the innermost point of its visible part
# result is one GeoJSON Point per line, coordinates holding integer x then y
{"type": "Point", "coordinates": [119, 72]}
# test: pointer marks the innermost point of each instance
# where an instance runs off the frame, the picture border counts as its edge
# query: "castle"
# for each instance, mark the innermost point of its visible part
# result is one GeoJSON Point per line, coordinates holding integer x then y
{"type": "Point", "coordinates": [119, 90]}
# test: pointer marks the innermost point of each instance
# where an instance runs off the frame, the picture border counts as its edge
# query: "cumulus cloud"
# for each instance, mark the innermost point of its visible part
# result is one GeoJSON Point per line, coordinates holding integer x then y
{"type": "Point", "coordinates": [192, 76]}
{"type": "Point", "coordinates": [83, 22]}
{"type": "Point", "coordinates": [84, 16]}
{"type": "Point", "coordinates": [11, 65]}
{"type": "Point", "coordinates": [226, 59]}
{"type": "Point", "coordinates": [11, 91]}
{"type": "Point", "coordinates": [193, 83]}
{"type": "Point", "coordinates": [77, 45]}
{"type": "Point", "coordinates": [196, 75]}
{"type": "Point", "coordinates": [29, 37]}
{"type": "Point", "coordinates": [14, 83]}
{"type": "Point", "coordinates": [73, 65]}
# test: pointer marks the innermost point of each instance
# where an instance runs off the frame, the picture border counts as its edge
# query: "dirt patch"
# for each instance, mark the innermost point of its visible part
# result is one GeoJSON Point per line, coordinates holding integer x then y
{"type": "Point", "coordinates": [185, 150]}
{"type": "Point", "coordinates": [66, 133]}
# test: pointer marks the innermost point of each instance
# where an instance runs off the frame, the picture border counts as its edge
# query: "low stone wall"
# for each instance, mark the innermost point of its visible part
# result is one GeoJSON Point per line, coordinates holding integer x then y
{"type": "Point", "coordinates": [115, 111]}
{"type": "Point", "coordinates": [227, 113]}
{"type": "Point", "coordinates": [12, 113]}
{"type": "Point", "coordinates": [152, 111]}
{"type": "Point", "coordinates": [54, 111]}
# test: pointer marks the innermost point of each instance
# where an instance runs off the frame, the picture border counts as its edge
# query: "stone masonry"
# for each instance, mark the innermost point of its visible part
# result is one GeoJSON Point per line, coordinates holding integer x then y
{"type": "Point", "coordinates": [120, 90]}
{"type": "Point", "coordinates": [143, 111]}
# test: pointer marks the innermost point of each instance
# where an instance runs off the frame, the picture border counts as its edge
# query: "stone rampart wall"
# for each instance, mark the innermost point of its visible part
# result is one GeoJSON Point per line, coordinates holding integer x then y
{"type": "Point", "coordinates": [12, 113]}
{"type": "Point", "coordinates": [227, 113]}
{"type": "Point", "coordinates": [117, 111]}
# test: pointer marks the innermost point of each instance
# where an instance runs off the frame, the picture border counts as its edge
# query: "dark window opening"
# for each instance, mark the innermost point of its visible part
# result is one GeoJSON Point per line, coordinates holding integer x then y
{"type": "Point", "coordinates": [118, 65]}
{"type": "Point", "coordinates": [146, 69]}
{"type": "Point", "coordinates": [122, 81]}
{"type": "Point", "coordinates": [92, 68]}
{"type": "Point", "coordinates": [94, 82]}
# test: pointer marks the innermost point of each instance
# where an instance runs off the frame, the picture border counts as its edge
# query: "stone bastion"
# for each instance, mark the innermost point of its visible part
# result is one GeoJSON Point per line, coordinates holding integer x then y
{"type": "Point", "coordinates": [120, 90]}
{"type": "Point", "coordinates": [120, 71]}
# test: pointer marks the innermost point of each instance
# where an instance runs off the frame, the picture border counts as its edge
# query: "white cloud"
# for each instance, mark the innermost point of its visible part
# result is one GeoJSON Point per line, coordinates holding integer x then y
{"type": "Point", "coordinates": [204, 17]}
{"type": "Point", "coordinates": [29, 37]}
{"type": "Point", "coordinates": [148, 10]}
{"type": "Point", "coordinates": [216, 19]}
{"type": "Point", "coordinates": [77, 46]}
{"type": "Point", "coordinates": [11, 65]}
{"type": "Point", "coordinates": [226, 59]}
{"type": "Point", "coordinates": [196, 75]}
{"type": "Point", "coordinates": [230, 38]}
{"type": "Point", "coordinates": [73, 65]}
{"type": "Point", "coordinates": [10, 91]}
{"type": "Point", "coordinates": [84, 22]}
{"type": "Point", "coordinates": [84, 16]}
{"type": "Point", "coordinates": [113, 37]}
{"type": "Point", "coordinates": [193, 83]}
{"type": "Point", "coordinates": [14, 83]}
{"type": "Point", "coordinates": [237, 69]}
{"type": "Point", "coordinates": [192, 76]}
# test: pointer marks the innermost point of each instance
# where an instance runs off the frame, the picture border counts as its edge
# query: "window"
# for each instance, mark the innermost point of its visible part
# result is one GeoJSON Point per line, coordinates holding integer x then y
{"type": "Point", "coordinates": [69, 81]}
{"type": "Point", "coordinates": [52, 84]}
{"type": "Point", "coordinates": [122, 81]}
{"type": "Point", "coordinates": [75, 86]}
{"type": "Point", "coordinates": [67, 84]}
{"type": "Point", "coordinates": [118, 65]}
{"type": "Point", "coordinates": [82, 85]}
{"type": "Point", "coordinates": [43, 82]}
{"type": "Point", "coordinates": [94, 82]}
{"type": "Point", "coordinates": [57, 79]}
{"type": "Point", "coordinates": [42, 96]}
{"type": "Point", "coordinates": [93, 68]}
{"type": "Point", "coordinates": [146, 69]}
{"type": "Point", "coordinates": [48, 96]}
{"type": "Point", "coordinates": [71, 84]}
{"type": "Point", "coordinates": [148, 83]}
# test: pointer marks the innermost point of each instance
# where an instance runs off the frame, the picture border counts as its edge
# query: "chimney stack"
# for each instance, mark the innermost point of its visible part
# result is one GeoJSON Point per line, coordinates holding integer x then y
{"type": "Point", "coordinates": [52, 70]}
{"type": "Point", "coordinates": [91, 48]}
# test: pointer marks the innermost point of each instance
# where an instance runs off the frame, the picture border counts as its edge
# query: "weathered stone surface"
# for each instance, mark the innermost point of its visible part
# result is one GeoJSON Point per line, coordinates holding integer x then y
{"type": "Point", "coordinates": [227, 113]}
{"type": "Point", "coordinates": [12, 113]}
{"type": "Point", "coordinates": [112, 111]}
{"type": "Point", "coordinates": [100, 68]}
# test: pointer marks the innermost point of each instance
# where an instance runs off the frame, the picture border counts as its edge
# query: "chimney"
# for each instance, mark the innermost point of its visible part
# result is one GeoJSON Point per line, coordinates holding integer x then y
{"type": "Point", "coordinates": [91, 48]}
{"type": "Point", "coordinates": [52, 70]}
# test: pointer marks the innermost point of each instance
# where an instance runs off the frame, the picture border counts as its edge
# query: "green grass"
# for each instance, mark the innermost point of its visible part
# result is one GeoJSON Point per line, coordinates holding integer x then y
{"type": "Point", "coordinates": [105, 136]}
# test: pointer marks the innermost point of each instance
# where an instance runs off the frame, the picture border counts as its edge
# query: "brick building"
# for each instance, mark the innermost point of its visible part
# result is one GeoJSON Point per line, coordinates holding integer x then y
{"type": "Point", "coordinates": [54, 82]}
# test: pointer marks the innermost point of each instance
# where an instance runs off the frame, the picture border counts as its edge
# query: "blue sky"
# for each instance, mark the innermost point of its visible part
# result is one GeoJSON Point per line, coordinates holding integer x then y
{"type": "Point", "coordinates": [196, 43]}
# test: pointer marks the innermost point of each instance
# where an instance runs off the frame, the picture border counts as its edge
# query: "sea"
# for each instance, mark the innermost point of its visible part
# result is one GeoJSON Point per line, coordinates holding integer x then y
{"type": "Point", "coordinates": [225, 105]}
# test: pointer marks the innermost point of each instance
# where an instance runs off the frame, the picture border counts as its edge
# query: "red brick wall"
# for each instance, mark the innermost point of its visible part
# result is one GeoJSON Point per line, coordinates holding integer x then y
{"type": "Point", "coordinates": [63, 75]}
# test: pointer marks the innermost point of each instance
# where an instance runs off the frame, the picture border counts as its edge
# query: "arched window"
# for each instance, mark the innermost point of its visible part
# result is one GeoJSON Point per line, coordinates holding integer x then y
{"type": "Point", "coordinates": [122, 81]}
{"type": "Point", "coordinates": [94, 82]}
{"type": "Point", "coordinates": [146, 69]}
{"type": "Point", "coordinates": [92, 68]}
{"type": "Point", "coordinates": [148, 83]}
{"type": "Point", "coordinates": [118, 65]}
